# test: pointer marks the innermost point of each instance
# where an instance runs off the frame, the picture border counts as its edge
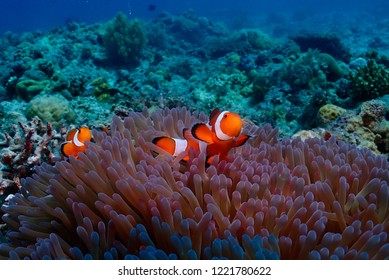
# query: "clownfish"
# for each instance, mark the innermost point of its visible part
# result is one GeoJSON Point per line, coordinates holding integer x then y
{"type": "Point", "coordinates": [218, 137]}
{"type": "Point", "coordinates": [75, 141]}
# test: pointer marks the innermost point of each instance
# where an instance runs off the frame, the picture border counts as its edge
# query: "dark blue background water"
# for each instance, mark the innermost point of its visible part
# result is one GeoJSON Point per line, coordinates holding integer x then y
{"type": "Point", "coordinates": [28, 15]}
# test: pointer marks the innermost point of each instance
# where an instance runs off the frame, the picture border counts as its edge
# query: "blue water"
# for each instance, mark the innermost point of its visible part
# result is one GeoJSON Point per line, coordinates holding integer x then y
{"type": "Point", "coordinates": [29, 15]}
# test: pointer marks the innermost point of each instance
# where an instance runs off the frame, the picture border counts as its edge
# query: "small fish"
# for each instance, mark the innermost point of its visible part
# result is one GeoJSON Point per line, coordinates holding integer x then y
{"type": "Point", "coordinates": [176, 146]}
{"type": "Point", "coordinates": [75, 141]}
{"type": "Point", "coordinates": [218, 137]}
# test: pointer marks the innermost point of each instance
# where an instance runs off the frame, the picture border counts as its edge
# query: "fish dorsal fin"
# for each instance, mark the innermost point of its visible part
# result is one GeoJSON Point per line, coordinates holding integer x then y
{"type": "Point", "coordinates": [202, 132]}
{"type": "Point", "coordinates": [213, 116]}
{"type": "Point", "coordinates": [71, 134]}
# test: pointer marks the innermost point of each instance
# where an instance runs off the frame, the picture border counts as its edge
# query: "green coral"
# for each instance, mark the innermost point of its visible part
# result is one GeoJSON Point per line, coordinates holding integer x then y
{"type": "Point", "coordinates": [370, 81]}
{"type": "Point", "coordinates": [124, 40]}
{"type": "Point", "coordinates": [27, 89]}
{"type": "Point", "coordinates": [102, 89]}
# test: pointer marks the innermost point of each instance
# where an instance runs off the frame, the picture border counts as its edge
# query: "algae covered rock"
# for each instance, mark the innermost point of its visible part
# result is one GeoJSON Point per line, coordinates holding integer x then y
{"type": "Point", "coordinates": [52, 108]}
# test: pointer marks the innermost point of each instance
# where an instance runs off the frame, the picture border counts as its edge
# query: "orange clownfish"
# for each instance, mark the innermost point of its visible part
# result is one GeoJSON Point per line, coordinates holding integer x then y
{"type": "Point", "coordinates": [218, 137]}
{"type": "Point", "coordinates": [75, 141]}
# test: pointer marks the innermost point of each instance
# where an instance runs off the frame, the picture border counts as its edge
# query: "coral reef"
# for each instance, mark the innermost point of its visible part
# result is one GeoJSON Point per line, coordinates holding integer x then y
{"type": "Point", "coordinates": [271, 198]}
{"type": "Point", "coordinates": [187, 57]}
{"type": "Point", "coordinates": [124, 40]}
{"type": "Point", "coordinates": [326, 43]}
{"type": "Point", "coordinates": [246, 41]}
{"type": "Point", "coordinates": [27, 89]}
{"type": "Point", "coordinates": [365, 127]}
{"type": "Point", "coordinates": [101, 89]}
{"type": "Point", "coordinates": [29, 145]}
{"type": "Point", "coordinates": [53, 108]}
{"type": "Point", "coordinates": [369, 82]}
{"type": "Point", "coordinates": [312, 70]}
{"type": "Point", "coordinates": [329, 112]}
{"type": "Point", "coordinates": [306, 197]}
{"type": "Point", "coordinates": [190, 28]}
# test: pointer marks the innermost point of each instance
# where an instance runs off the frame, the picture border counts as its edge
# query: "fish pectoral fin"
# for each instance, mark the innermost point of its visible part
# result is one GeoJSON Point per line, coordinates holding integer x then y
{"type": "Point", "coordinates": [202, 132]}
{"type": "Point", "coordinates": [241, 140]}
{"type": "Point", "coordinates": [71, 133]}
{"type": "Point", "coordinates": [209, 160]}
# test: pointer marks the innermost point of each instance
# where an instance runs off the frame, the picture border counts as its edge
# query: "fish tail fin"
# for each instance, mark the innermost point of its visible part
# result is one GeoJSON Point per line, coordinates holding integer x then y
{"type": "Point", "coordinates": [166, 143]}
{"type": "Point", "coordinates": [202, 132]}
{"type": "Point", "coordinates": [69, 149]}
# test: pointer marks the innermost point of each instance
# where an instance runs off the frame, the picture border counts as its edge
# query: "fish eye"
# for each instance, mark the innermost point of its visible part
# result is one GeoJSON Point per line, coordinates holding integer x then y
{"type": "Point", "coordinates": [225, 116]}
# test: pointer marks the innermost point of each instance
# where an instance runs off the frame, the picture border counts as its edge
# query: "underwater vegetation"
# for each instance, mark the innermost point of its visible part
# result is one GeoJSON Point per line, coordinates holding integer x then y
{"type": "Point", "coordinates": [271, 198]}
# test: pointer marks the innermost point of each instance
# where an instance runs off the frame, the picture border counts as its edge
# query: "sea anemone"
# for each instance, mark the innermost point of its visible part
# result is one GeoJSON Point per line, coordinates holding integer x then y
{"type": "Point", "coordinates": [271, 198]}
